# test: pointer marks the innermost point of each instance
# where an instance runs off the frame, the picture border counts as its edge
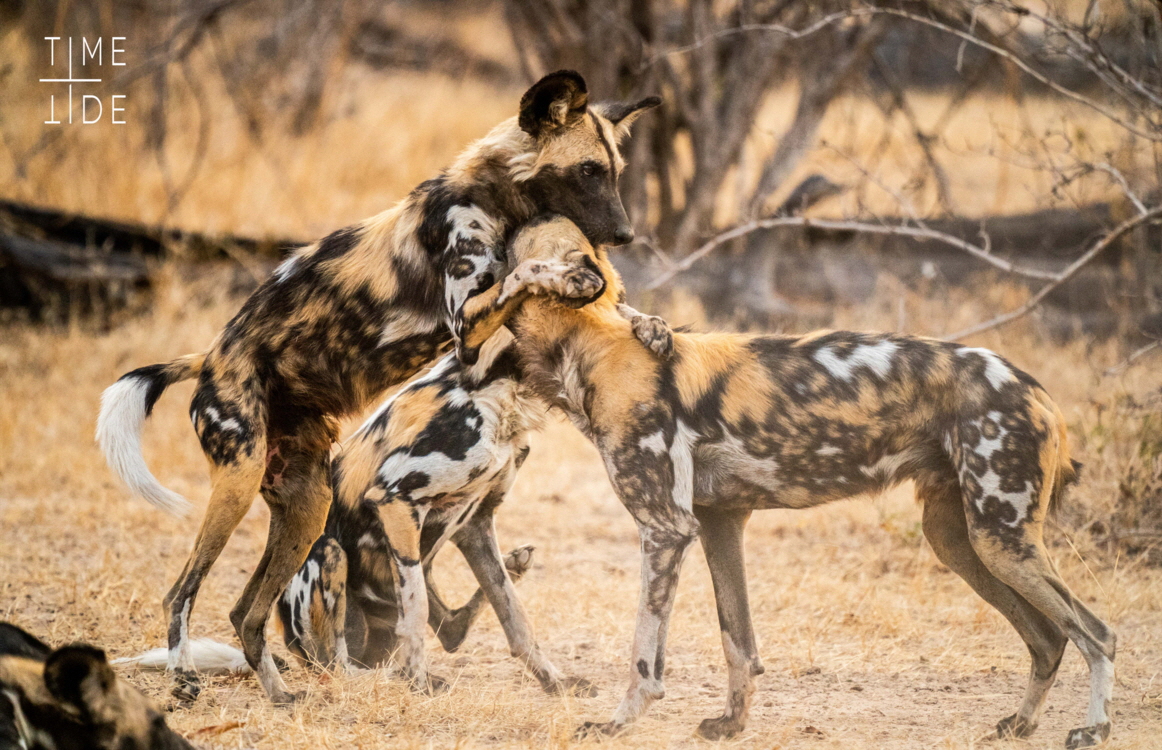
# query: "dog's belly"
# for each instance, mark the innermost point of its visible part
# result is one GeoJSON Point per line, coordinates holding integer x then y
{"type": "Point", "coordinates": [728, 475]}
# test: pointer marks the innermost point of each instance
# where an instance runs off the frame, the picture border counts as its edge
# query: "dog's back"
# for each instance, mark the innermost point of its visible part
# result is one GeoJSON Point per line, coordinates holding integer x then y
{"type": "Point", "coordinates": [454, 435]}
{"type": "Point", "coordinates": [733, 423]}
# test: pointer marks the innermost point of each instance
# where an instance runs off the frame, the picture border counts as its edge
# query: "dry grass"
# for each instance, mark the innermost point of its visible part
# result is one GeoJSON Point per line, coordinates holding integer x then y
{"type": "Point", "coordinates": [867, 639]}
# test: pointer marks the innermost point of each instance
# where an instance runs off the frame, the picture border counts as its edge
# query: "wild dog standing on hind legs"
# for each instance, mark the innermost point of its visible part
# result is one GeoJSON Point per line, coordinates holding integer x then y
{"type": "Point", "coordinates": [350, 316]}
{"type": "Point", "coordinates": [733, 423]}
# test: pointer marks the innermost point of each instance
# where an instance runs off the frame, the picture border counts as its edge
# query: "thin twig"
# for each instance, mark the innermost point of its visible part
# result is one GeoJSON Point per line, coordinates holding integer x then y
{"type": "Point", "coordinates": [1064, 276]}
{"type": "Point", "coordinates": [1130, 359]}
{"type": "Point", "coordinates": [966, 36]}
{"type": "Point", "coordinates": [848, 226]}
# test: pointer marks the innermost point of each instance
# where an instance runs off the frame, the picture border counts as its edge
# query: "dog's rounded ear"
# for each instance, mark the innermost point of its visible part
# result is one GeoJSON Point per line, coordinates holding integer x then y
{"type": "Point", "coordinates": [556, 101]}
{"type": "Point", "coordinates": [80, 678]}
{"type": "Point", "coordinates": [622, 114]}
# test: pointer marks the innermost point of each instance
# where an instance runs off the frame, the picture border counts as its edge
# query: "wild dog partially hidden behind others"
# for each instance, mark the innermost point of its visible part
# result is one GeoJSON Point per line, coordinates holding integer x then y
{"type": "Point", "coordinates": [348, 317]}
{"type": "Point", "coordinates": [432, 464]}
{"type": "Point", "coordinates": [52, 699]}
{"type": "Point", "coordinates": [732, 423]}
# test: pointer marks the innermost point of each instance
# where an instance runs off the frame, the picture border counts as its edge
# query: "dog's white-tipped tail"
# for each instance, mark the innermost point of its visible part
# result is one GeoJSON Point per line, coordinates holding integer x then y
{"type": "Point", "coordinates": [125, 406]}
{"type": "Point", "coordinates": [210, 657]}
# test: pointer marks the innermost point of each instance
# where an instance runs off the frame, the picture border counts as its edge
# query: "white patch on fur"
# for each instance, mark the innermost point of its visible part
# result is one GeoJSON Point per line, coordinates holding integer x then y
{"type": "Point", "coordinates": [885, 469]}
{"type": "Point", "coordinates": [829, 450]}
{"type": "Point", "coordinates": [682, 458]}
{"type": "Point", "coordinates": [994, 370]}
{"type": "Point", "coordinates": [877, 357]}
{"type": "Point", "coordinates": [1101, 688]}
{"type": "Point", "coordinates": [181, 657]}
{"type": "Point", "coordinates": [286, 269]}
{"type": "Point", "coordinates": [28, 735]}
{"type": "Point", "coordinates": [119, 428]}
{"type": "Point", "coordinates": [470, 222]}
{"type": "Point", "coordinates": [730, 458]}
{"type": "Point", "coordinates": [990, 481]}
{"type": "Point", "coordinates": [489, 351]}
{"type": "Point", "coordinates": [523, 167]}
{"type": "Point", "coordinates": [655, 443]}
{"type": "Point", "coordinates": [209, 657]}
{"type": "Point", "coordinates": [406, 324]}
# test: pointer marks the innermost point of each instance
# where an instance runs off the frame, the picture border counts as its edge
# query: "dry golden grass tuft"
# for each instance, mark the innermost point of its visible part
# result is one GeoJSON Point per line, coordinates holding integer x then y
{"type": "Point", "coordinates": [868, 641]}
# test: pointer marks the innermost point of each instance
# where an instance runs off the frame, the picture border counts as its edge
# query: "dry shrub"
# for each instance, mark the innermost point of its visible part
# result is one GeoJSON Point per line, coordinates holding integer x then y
{"type": "Point", "coordinates": [1123, 444]}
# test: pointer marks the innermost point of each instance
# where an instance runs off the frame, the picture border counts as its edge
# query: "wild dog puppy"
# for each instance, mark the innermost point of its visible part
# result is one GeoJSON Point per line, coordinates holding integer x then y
{"type": "Point", "coordinates": [733, 423]}
{"type": "Point", "coordinates": [70, 698]}
{"type": "Point", "coordinates": [432, 464]}
{"type": "Point", "coordinates": [346, 318]}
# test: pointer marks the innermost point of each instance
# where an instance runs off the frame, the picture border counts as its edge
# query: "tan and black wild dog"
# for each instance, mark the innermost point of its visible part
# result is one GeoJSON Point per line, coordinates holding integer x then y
{"type": "Point", "coordinates": [432, 464]}
{"type": "Point", "coordinates": [734, 423]}
{"type": "Point", "coordinates": [52, 699]}
{"type": "Point", "coordinates": [350, 316]}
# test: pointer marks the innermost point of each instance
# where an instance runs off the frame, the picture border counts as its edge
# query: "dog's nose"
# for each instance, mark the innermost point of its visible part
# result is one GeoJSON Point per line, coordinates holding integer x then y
{"type": "Point", "coordinates": [623, 236]}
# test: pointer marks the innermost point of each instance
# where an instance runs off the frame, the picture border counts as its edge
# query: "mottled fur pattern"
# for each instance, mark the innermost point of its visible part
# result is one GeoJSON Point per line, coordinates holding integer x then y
{"type": "Point", "coordinates": [70, 698]}
{"type": "Point", "coordinates": [734, 423]}
{"type": "Point", "coordinates": [349, 316]}
{"type": "Point", "coordinates": [432, 464]}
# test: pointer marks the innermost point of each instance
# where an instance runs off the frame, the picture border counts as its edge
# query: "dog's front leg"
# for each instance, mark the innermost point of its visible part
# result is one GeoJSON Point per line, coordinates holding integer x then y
{"type": "Point", "coordinates": [654, 332]}
{"type": "Point", "coordinates": [663, 548]}
{"type": "Point", "coordinates": [402, 523]}
{"type": "Point", "coordinates": [477, 541]}
{"type": "Point", "coordinates": [481, 314]}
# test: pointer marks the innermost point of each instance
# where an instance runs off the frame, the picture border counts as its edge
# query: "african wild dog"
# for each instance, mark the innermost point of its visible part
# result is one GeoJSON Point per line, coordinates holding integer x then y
{"type": "Point", "coordinates": [348, 317]}
{"type": "Point", "coordinates": [432, 464]}
{"type": "Point", "coordinates": [734, 423]}
{"type": "Point", "coordinates": [70, 698]}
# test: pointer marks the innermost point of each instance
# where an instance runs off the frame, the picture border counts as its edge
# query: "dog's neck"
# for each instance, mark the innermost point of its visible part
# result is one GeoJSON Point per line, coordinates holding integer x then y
{"type": "Point", "coordinates": [561, 349]}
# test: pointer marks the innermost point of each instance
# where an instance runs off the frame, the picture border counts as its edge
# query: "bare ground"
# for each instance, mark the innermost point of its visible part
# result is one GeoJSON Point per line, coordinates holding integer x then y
{"type": "Point", "coordinates": [868, 641]}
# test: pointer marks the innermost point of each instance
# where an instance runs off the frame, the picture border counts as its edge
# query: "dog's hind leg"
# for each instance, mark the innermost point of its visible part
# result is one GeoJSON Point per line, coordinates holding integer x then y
{"type": "Point", "coordinates": [452, 625]}
{"type": "Point", "coordinates": [234, 488]}
{"type": "Point", "coordinates": [477, 541]}
{"type": "Point", "coordinates": [1029, 572]}
{"type": "Point", "coordinates": [721, 535]}
{"type": "Point", "coordinates": [298, 498]}
{"type": "Point", "coordinates": [1012, 466]}
{"type": "Point", "coordinates": [402, 524]}
{"type": "Point", "coordinates": [946, 529]}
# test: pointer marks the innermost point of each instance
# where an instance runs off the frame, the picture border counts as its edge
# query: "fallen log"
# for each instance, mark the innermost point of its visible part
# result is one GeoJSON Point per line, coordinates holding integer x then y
{"type": "Point", "coordinates": [58, 266]}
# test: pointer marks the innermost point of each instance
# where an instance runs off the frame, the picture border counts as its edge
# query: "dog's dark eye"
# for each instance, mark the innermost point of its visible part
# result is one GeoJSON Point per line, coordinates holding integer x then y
{"type": "Point", "coordinates": [589, 169]}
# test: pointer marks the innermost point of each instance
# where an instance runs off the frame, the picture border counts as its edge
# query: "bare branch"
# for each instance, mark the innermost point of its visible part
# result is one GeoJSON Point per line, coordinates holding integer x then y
{"type": "Point", "coordinates": [1124, 364]}
{"type": "Point", "coordinates": [1064, 276]}
{"type": "Point", "coordinates": [848, 226]}
{"type": "Point", "coordinates": [966, 36]}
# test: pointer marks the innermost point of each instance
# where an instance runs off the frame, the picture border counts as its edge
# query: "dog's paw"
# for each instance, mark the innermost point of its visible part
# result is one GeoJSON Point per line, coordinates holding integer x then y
{"type": "Point", "coordinates": [579, 284]}
{"type": "Point", "coordinates": [430, 684]}
{"type": "Point", "coordinates": [187, 686]}
{"type": "Point", "coordinates": [578, 686]}
{"type": "Point", "coordinates": [1087, 736]}
{"type": "Point", "coordinates": [1013, 727]}
{"type": "Point", "coordinates": [285, 698]}
{"type": "Point", "coordinates": [518, 562]}
{"type": "Point", "coordinates": [655, 334]}
{"type": "Point", "coordinates": [719, 728]}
